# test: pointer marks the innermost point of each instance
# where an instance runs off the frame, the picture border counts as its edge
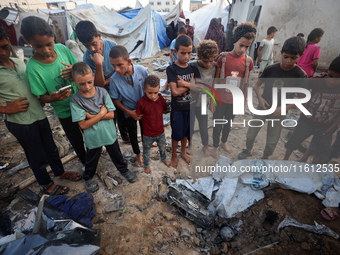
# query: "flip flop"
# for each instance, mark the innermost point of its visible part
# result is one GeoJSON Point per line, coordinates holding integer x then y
{"type": "Point", "coordinates": [57, 190]}
{"type": "Point", "coordinates": [330, 213]}
{"type": "Point", "coordinates": [71, 176]}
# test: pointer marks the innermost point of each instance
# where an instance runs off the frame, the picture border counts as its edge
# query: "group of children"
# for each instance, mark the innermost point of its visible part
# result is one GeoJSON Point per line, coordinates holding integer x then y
{"type": "Point", "coordinates": [107, 83]}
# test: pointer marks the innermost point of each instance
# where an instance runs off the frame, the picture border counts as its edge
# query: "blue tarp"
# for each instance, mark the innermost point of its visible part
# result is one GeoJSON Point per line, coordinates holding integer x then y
{"type": "Point", "coordinates": [160, 23]}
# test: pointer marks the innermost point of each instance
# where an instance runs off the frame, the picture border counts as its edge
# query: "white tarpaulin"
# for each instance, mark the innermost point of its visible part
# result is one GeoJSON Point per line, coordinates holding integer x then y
{"type": "Point", "coordinates": [138, 35]}
{"type": "Point", "coordinates": [174, 14]}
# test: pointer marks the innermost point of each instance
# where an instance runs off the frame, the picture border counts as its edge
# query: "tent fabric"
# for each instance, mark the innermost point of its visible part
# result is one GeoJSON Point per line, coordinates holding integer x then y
{"type": "Point", "coordinates": [138, 35]}
{"type": "Point", "coordinates": [160, 23]}
{"type": "Point", "coordinates": [174, 14]}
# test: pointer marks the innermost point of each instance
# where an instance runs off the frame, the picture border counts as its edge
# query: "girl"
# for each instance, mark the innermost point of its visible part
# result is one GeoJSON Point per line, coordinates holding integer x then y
{"type": "Point", "coordinates": [47, 74]}
{"type": "Point", "coordinates": [236, 62]}
{"type": "Point", "coordinates": [310, 59]}
{"type": "Point", "coordinates": [215, 33]}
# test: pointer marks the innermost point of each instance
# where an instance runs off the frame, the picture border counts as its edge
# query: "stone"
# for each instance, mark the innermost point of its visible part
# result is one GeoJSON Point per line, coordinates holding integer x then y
{"type": "Point", "coordinates": [196, 241]}
{"type": "Point", "coordinates": [270, 203]}
{"type": "Point", "coordinates": [215, 251]}
{"type": "Point", "coordinates": [185, 233]}
{"type": "Point", "coordinates": [145, 250]}
{"type": "Point", "coordinates": [224, 247]}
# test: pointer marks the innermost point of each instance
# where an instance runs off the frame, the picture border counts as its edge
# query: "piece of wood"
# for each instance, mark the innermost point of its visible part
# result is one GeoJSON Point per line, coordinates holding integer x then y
{"type": "Point", "coordinates": [32, 179]}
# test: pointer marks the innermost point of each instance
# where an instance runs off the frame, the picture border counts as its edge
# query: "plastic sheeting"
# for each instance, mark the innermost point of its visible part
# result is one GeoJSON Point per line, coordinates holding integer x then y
{"type": "Point", "coordinates": [138, 35]}
{"type": "Point", "coordinates": [163, 40]}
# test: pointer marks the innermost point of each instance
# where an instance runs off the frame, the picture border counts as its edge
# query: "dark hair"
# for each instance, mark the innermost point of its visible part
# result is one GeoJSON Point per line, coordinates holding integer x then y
{"type": "Point", "coordinates": [335, 65]}
{"type": "Point", "coordinates": [119, 51]}
{"type": "Point", "coordinates": [316, 32]}
{"type": "Point", "coordinates": [207, 49]}
{"type": "Point", "coordinates": [80, 68]}
{"type": "Point", "coordinates": [183, 40]}
{"type": "Point", "coordinates": [85, 31]}
{"type": "Point", "coordinates": [300, 35]}
{"type": "Point", "coordinates": [220, 19]}
{"type": "Point", "coordinates": [271, 30]}
{"type": "Point", "coordinates": [32, 26]}
{"type": "Point", "coordinates": [294, 45]}
{"type": "Point", "coordinates": [182, 30]}
{"type": "Point", "coordinates": [3, 34]}
{"type": "Point", "coordinates": [152, 81]}
{"type": "Point", "coordinates": [246, 30]}
{"type": "Point", "coordinates": [232, 20]}
{"type": "Point", "coordinates": [187, 19]}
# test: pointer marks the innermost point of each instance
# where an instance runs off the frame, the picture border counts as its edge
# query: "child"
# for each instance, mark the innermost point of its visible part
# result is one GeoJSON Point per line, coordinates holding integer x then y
{"type": "Point", "coordinates": [93, 109]}
{"type": "Point", "coordinates": [59, 36]}
{"type": "Point", "coordinates": [173, 56]}
{"type": "Point", "coordinates": [325, 109]}
{"type": "Point", "coordinates": [207, 51]}
{"type": "Point", "coordinates": [190, 29]}
{"type": "Point", "coordinates": [276, 75]}
{"type": "Point", "coordinates": [151, 107]}
{"type": "Point", "coordinates": [265, 52]}
{"type": "Point", "coordinates": [26, 120]}
{"type": "Point", "coordinates": [310, 59]}
{"type": "Point", "coordinates": [97, 56]}
{"type": "Point", "coordinates": [46, 73]}
{"type": "Point", "coordinates": [234, 61]}
{"type": "Point", "coordinates": [127, 84]}
{"type": "Point", "coordinates": [180, 78]}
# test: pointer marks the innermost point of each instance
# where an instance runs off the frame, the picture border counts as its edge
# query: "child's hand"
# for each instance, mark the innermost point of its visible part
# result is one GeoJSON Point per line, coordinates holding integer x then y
{"type": "Point", "coordinates": [182, 83]}
{"type": "Point", "coordinates": [55, 96]}
{"type": "Point", "coordinates": [17, 105]}
{"type": "Point", "coordinates": [134, 115]}
{"type": "Point", "coordinates": [103, 111]}
{"type": "Point", "coordinates": [66, 73]}
{"type": "Point", "coordinates": [97, 58]}
{"type": "Point", "coordinates": [88, 116]}
{"type": "Point", "coordinates": [277, 111]}
{"type": "Point", "coordinates": [263, 103]}
{"type": "Point", "coordinates": [212, 106]}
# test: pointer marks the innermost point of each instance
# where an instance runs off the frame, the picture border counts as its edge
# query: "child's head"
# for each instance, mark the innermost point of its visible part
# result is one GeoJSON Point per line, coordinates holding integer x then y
{"type": "Point", "coordinates": [5, 49]}
{"type": "Point", "coordinates": [315, 36]}
{"type": "Point", "coordinates": [182, 31]}
{"type": "Point", "coordinates": [207, 51]}
{"type": "Point", "coordinates": [292, 50]}
{"type": "Point", "coordinates": [83, 76]}
{"type": "Point", "coordinates": [244, 35]}
{"type": "Point", "coordinates": [187, 22]}
{"type": "Point", "coordinates": [334, 68]}
{"type": "Point", "coordinates": [119, 58]}
{"type": "Point", "coordinates": [271, 31]}
{"type": "Point", "coordinates": [301, 35]}
{"type": "Point", "coordinates": [39, 34]}
{"type": "Point", "coordinates": [88, 35]}
{"type": "Point", "coordinates": [231, 21]}
{"type": "Point", "coordinates": [183, 48]}
{"type": "Point", "coordinates": [151, 87]}
{"type": "Point", "coordinates": [219, 20]}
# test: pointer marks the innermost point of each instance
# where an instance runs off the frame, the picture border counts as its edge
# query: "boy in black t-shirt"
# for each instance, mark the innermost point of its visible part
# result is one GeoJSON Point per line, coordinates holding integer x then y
{"type": "Point", "coordinates": [180, 78]}
{"type": "Point", "coordinates": [284, 74]}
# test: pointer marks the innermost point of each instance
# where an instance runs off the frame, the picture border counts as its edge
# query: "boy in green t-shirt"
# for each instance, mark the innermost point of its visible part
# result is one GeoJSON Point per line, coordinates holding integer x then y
{"type": "Point", "coordinates": [93, 109]}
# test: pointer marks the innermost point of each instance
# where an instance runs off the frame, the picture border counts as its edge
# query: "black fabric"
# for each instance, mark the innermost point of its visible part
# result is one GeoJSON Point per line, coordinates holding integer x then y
{"type": "Point", "coordinates": [222, 112]}
{"type": "Point", "coordinates": [131, 125]}
{"type": "Point", "coordinates": [183, 101]}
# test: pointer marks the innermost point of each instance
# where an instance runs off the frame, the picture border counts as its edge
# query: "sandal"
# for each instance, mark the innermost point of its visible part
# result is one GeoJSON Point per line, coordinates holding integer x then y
{"type": "Point", "coordinates": [330, 213]}
{"type": "Point", "coordinates": [71, 176]}
{"type": "Point", "coordinates": [91, 185]}
{"type": "Point", "coordinates": [57, 190]}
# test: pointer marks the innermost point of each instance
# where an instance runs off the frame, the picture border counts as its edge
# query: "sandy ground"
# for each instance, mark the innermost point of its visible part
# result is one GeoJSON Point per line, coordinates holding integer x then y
{"type": "Point", "coordinates": [147, 225]}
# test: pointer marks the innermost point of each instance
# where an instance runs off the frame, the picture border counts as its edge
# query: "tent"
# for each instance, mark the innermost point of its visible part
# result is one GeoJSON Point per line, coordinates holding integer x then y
{"type": "Point", "coordinates": [138, 34]}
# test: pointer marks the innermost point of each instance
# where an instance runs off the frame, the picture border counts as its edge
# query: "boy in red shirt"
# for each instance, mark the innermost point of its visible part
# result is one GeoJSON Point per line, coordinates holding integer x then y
{"type": "Point", "coordinates": [151, 107]}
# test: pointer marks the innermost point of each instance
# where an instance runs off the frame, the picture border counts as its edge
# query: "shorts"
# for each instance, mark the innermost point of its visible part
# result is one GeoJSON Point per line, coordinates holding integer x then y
{"type": "Point", "coordinates": [180, 124]}
{"type": "Point", "coordinates": [303, 130]}
{"type": "Point", "coordinates": [264, 64]}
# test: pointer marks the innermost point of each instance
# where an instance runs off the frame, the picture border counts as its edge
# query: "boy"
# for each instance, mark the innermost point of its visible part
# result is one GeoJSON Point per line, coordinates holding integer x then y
{"type": "Point", "coordinates": [151, 107]}
{"type": "Point", "coordinates": [265, 52]}
{"type": "Point", "coordinates": [207, 51]}
{"type": "Point", "coordinates": [180, 78]}
{"type": "Point", "coordinates": [190, 29]}
{"type": "Point", "coordinates": [97, 56]}
{"type": "Point", "coordinates": [59, 36]}
{"type": "Point", "coordinates": [93, 109]}
{"type": "Point", "coordinates": [26, 120]}
{"type": "Point", "coordinates": [276, 75]}
{"type": "Point", "coordinates": [127, 83]}
{"type": "Point", "coordinates": [173, 56]}
{"type": "Point", "coordinates": [324, 107]}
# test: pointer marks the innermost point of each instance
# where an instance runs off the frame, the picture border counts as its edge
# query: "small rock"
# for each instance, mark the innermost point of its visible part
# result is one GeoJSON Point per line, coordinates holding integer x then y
{"type": "Point", "coordinates": [196, 241]}
{"type": "Point", "coordinates": [185, 233]}
{"type": "Point", "coordinates": [199, 230]}
{"type": "Point", "coordinates": [215, 251]}
{"type": "Point", "coordinates": [155, 233]}
{"type": "Point", "coordinates": [224, 247]}
{"type": "Point", "coordinates": [305, 246]}
{"type": "Point", "coordinates": [270, 203]}
{"type": "Point", "coordinates": [227, 233]}
{"type": "Point", "coordinates": [145, 250]}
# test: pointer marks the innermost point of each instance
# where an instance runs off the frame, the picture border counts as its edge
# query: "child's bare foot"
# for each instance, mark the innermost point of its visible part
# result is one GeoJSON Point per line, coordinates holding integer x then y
{"type": "Point", "coordinates": [226, 147]}
{"type": "Point", "coordinates": [206, 151]}
{"type": "Point", "coordinates": [214, 152]}
{"type": "Point", "coordinates": [167, 163]}
{"type": "Point", "coordinates": [147, 170]}
{"type": "Point", "coordinates": [186, 158]}
{"type": "Point", "coordinates": [140, 159]}
{"type": "Point", "coordinates": [174, 162]}
{"type": "Point", "coordinates": [189, 150]}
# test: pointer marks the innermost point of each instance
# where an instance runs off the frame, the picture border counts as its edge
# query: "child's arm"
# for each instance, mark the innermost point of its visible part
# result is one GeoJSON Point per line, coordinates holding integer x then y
{"type": "Point", "coordinates": [176, 90]}
{"type": "Point", "coordinates": [262, 102]}
{"type": "Point", "coordinates": [172, 56]}
{"type": "Point", "coordinates": [315, 64]}
{"type": "Point", "coordinates": [87, 123]}
{"type": "Point", "coordinates": [99, 79]}
{"type": "Point", "coordinates": [131, 113]}
{"type": "Point", "coordinates": [15, 106]}
{"type": "Point", "coordinates": [55, 96]}
{"type": "Point", "coordinates": [259, 53]}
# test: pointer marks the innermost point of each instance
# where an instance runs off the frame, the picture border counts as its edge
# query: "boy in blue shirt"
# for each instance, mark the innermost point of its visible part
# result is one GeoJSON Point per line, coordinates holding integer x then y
{"type": "Point", "coordinates": [97, 56]}
{"type": "Point", "coordinates": [93, 109]}
{"type": "Point", "coordinates": [127, 84]}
